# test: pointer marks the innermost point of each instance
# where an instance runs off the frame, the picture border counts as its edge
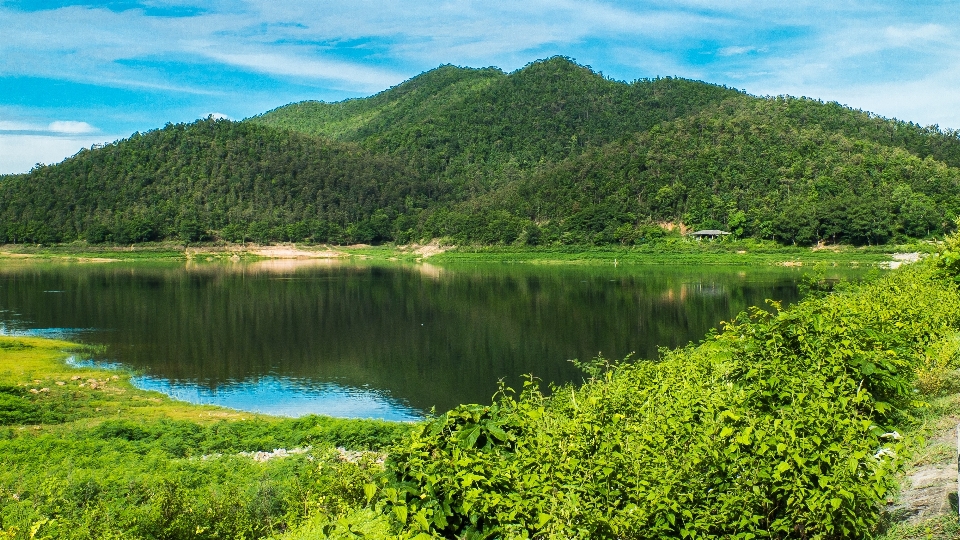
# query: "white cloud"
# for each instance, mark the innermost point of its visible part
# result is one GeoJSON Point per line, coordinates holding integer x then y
{"type": "Point", "coordinates": [19, 153]}
{"type": "Point", "coordinates": [215, 116]}
{"type": "Point", "coordinates": [57, 127]}
{"type": "Point", "coordinates": [912, 35]}
{"type": "Point", "coordinates": [8, 125]}
{"type": "Point", "coordinates": [71, 126]}
{"type": "Point", "coordinates": [734, 51]}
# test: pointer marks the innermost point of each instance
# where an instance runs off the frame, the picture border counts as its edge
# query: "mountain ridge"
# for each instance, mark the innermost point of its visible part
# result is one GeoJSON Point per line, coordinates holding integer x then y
{"type": "Point", "coordinates": [551, 153]}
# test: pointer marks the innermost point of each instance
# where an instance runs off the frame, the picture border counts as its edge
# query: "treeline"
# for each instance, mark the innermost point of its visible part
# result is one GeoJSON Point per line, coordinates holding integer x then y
{"type": "Point", "coordinates": [214, 178]}
{"type": "Point", "coordinates": [747, 167]}
{"type": "Point", "coordinates": [551, 154]}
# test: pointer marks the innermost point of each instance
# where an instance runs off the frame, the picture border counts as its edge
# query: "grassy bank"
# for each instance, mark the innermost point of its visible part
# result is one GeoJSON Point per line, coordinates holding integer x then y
{"type": "Point", "coordinates": [925, 506]}
{"type": "Point", "coordinates": [685, 251]}
{"type": "Point", "coordinates": [671, 250]}
{"type": "Point", "coordinates": [86, 455]}
{"type": "Point", "coordinates": [83, 252]}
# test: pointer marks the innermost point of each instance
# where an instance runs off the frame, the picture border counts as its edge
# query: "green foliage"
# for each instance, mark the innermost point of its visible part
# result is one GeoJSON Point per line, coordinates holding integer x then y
{"type": "Point", "coordinates": [71, 470]}
{"type": "Point", "coordinates": [776, 427]}
{"type": "Point", "coordinates": [744, 166]}
{"type": "Point", "coordinates": [573, 158]}
{"type": "Point", "coordinates": [551, 154]}
{"type": "Point", "coordinates": [476, 127]}
{"type": "Point", "coordinates": [948, 260]}
{"type": "Point", "coordinates": [107, 488]}
{"type": "Point", "coordinates": [211, 178]}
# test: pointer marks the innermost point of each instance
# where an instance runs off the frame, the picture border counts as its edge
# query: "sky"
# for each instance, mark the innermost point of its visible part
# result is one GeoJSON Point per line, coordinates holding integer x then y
{"type": "Point", "coordinates": [75, 73]}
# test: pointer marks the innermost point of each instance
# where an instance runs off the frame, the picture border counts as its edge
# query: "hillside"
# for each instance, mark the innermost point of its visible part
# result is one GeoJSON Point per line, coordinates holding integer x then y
{"type": "Point", "coordinates": [553, 153]}
{"type": "Point", "coordinates": [241, 180]}
{"type": "Point", "coordinates": [746, 166]}
{"type": "Point", "coordinates": [479, 128]}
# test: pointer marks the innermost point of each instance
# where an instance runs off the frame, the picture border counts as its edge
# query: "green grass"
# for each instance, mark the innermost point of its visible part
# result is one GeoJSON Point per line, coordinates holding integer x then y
{"type": "Point", "coordinates": [937, 528]}
{"type": "Point", "coordinates": [85, 454]}
{"type": "Point", "coordinates": [682, 251]}
{"type": "Point", "coordinates": [81, 251]}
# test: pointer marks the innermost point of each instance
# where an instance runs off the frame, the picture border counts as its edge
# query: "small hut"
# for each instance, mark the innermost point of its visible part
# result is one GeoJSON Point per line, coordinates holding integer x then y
{"type": "Point", "coordinates": [708, 233]}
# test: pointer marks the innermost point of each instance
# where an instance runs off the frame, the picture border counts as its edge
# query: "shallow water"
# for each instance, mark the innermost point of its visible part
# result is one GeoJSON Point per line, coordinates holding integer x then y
{"type": "Point", "coordinates": [370, 340]}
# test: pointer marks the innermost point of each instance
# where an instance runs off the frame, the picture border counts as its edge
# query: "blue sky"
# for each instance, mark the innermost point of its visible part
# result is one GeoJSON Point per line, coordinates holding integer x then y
{"type": "Point", "coordinates": [74, 73]}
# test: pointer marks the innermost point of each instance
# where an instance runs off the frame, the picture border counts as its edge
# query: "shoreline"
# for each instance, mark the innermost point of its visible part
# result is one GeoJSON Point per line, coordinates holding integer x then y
{"type": "Point", "coordinates": [38, 363]}
{"type": "Point", "coordinates": [743, 253]}
{"type": "Point", "coordinates": [91, 399]}
{"type": "Point", "coordinates": [87, 454]}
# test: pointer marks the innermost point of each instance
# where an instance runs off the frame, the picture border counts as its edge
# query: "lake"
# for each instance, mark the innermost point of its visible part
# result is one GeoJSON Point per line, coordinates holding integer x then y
{"type": "Point", "coordinates": [352, 339]}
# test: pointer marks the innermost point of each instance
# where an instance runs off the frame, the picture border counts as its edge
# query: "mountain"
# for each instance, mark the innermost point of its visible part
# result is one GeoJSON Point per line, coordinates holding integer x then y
{"type": "Point", "coordinates": [477, 128]}
{"type": "Point", "coordinates": [551, 153]}
{"type": "Point", "coordinates": [745, 166]}
{"type": "Point", "coordinates": [242, 180]}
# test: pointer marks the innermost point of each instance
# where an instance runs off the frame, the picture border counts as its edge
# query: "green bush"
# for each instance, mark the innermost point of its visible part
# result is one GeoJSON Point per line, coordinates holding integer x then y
{"type": "Point", "coordinates": [780, 426]}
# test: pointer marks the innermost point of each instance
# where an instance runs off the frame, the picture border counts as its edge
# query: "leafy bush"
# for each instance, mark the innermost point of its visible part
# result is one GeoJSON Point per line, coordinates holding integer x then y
{"type": "Point", "coordinates": [780, 426]}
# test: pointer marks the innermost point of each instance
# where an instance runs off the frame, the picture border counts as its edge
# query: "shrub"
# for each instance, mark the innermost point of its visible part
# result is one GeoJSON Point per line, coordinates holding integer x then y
{"type": "Point", "coordinates": [780, 426]}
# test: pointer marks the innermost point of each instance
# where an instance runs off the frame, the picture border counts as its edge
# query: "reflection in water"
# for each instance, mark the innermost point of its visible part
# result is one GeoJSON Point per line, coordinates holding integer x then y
{"type": "Point", "coordinates": [287, 397]}
{"type": "Point", "coordinates": [265, 266]}
{"type": "Point", "coordinates": [409, 337]}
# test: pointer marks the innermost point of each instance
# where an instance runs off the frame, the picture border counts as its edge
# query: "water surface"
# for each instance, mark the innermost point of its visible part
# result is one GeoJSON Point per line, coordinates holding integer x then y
{"type": "Point", "coordinates": [370, 340]}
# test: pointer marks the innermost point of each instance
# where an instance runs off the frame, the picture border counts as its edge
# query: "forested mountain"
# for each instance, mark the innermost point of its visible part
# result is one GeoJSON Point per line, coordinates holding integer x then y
{"type": "Point", "coordinates": [551, 153]}
{"type": "Point", "coordinates": [234, 180]}
{"type": "Point", "coordinates": [481, 128]}
{"type": "Point", "coordinates": [745, 166]}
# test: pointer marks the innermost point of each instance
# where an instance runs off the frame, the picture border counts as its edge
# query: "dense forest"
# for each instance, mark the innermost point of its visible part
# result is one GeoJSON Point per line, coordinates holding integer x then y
{"type": "Point", "coordinates": [237, 181]}
{"type": "Point", "coordinates": [553, 153]}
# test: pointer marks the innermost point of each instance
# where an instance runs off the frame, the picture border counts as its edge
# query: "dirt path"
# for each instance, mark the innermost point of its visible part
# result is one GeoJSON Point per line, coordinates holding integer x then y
{"type": "Point", "coordinates": [928, 496]}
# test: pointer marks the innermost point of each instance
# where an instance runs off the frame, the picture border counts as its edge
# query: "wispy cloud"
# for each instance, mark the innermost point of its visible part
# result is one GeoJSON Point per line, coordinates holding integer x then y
{"type": "Point", "coordinates": [916, 35]}
{"type": "Point", "coordinates": [71, 126]}
{"type": "Point", "coordinates": [293, 66]}
{"type": "Point", "coordinates": [736, 50]}
{"type": "Point", "coordinates": [8, 125]}
{"type": "Point", "coordinates": [57, 127]}
{"type": "Point", "coordinates": [173, 58]}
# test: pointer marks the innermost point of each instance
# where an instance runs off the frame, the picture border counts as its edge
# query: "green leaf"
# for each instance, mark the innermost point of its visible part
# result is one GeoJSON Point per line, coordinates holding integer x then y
{"type": "Point", "coordinates": [400, 511]}
{"type": "Point", "coordinates": [468, 435]}
{"type": "Point", "coordinates": [369, 490]}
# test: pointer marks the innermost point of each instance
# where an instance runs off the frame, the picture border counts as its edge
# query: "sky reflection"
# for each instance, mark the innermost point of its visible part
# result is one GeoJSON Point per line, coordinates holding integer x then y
{"type": "Point", "coordinates": [280, 396]}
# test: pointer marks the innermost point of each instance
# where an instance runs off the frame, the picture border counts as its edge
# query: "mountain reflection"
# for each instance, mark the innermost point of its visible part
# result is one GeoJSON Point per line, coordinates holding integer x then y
{"type": "Point", "coordinates": [417, 335]}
